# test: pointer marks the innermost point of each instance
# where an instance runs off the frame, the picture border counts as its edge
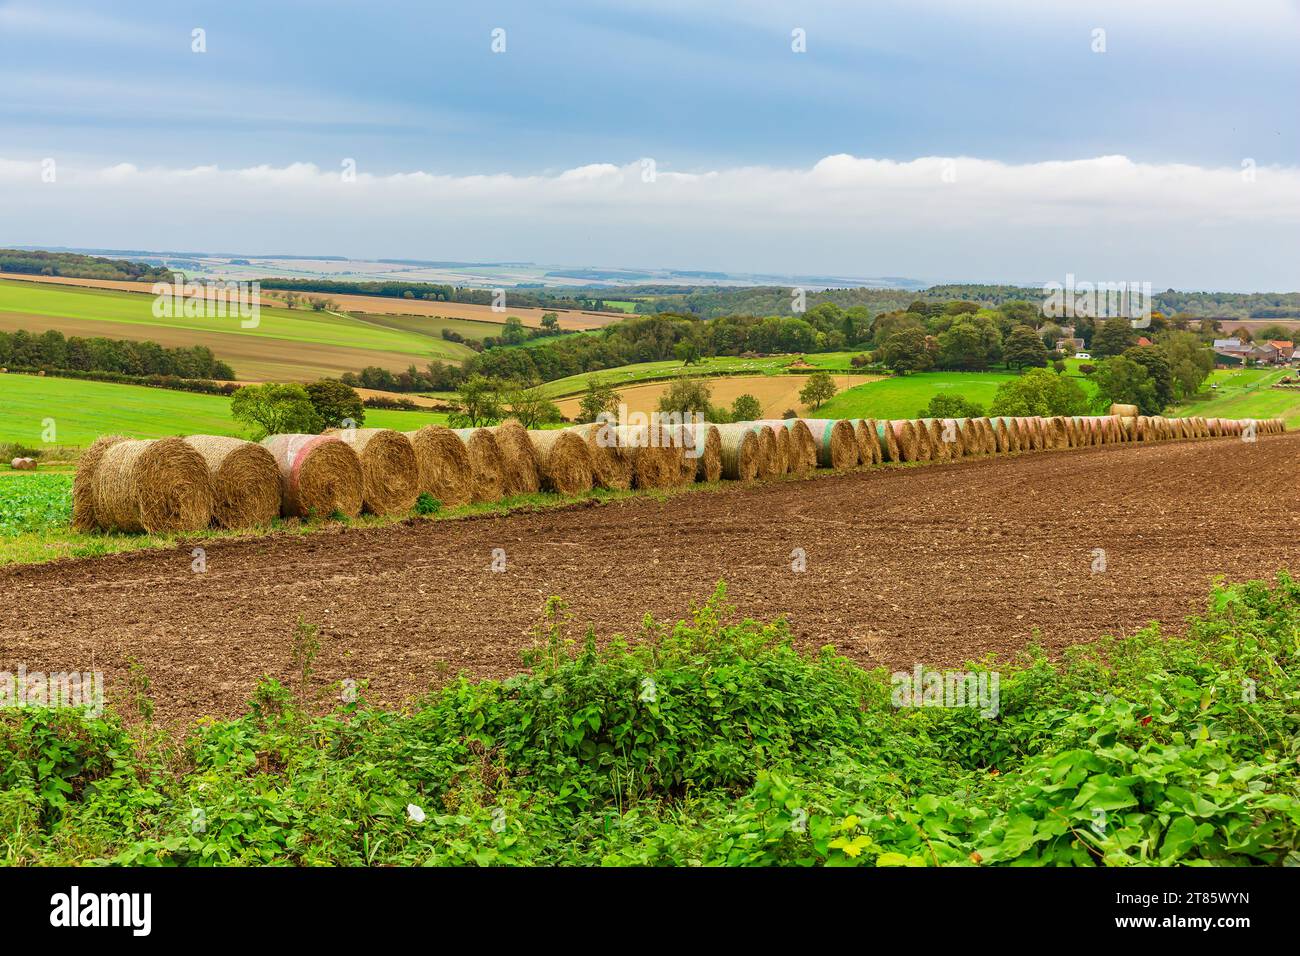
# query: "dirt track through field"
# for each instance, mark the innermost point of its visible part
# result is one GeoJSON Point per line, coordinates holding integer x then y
{"type": "Point", "coordinates": [936, 564]}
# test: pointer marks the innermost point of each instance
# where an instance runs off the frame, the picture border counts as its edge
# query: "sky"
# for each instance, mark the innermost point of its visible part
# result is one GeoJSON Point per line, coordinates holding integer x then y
{"type": "Point", "coordinates": [1005, 140]}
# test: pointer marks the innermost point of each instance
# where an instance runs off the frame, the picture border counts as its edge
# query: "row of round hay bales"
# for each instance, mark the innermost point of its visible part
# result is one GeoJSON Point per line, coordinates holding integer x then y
{"type": "Point", "coordinates": [187, 484]}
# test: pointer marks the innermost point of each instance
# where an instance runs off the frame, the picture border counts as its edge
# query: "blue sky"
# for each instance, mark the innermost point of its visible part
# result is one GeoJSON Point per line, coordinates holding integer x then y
{"type": "Point", "coordinates": [700, 87]}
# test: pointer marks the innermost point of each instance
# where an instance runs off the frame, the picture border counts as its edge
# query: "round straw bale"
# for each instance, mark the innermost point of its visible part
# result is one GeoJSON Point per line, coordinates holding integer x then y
{"type": "Point", "coordinates": [1126, 411]}
{"type": "Point", "coordinates": [443, 463]}
{"type": "Point", "coordinates": [971, 439]}
{"type": "Point", "coordinates": [655, 462]}
{"type": "Point", "coordinates": [390, 473]}
{"type": "Point", "coordinates": [1058, 435]}
{"type": "Point", "coordinates": [611, 463]}
{"type": "Point", "coordinates": [769, 457]}
{"type": "Point", "coordinates": [1001, 439]}
{"type": "Point", "coordinates": [740, 452]}
{"type": "Point", "coordinates": [885, 439]}
{"type": "Point", "coordinates": [940, 450]}
{"type": "Point", "coordinates": [486, 467]}
{"type": "Point", "coordinates": [905, 435]}
{"type": "Point", "coordinates": [801, 447]}
{"type": "Point", "coordinates": [950, 435]}
{"type": "Point", "coordinates": [523, 466]}
{"type": "Point", "coordinates": [837, 445]}
{"type": "Point", "coordinates": [986, 434]}
{"type": "Point", "coordinates": [924, 451]}
{"type": "Point", "coordinates": [153, 486]}
{"type": "Point", "coordinates": [704, 451]}
{"type": "Point", "coordinates": [682, 443]}
{"type": "Point", "coordinates": [83, 484]}
{"type": "Point", "coordinates": [564, 460]}
{"type": "Point", "coordinates": [245, 480]}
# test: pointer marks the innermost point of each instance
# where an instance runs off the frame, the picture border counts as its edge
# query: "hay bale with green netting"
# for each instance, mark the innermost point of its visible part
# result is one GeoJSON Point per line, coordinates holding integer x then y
{"type": "Point", "coordinates": [611, 463]}
{"type": "Point", "coordinates": [925, 451]}
{"type": "Point", "coordinates": [155, 486]}
{"type": "Point", "coordinates": [885, 439]}
{"type": "Point", "coordinates": [564, 460]}
{"type": "Point", "coordinates": [740, 452]}
{"type": "Point", "coordinates": [83, 483]}
{"type": "Point", "coordinates": [523, 468]}
{"type": "Point", "coordinates": [837, 445]}
{"type": "Point", "coordinates": [443, 465]}
{"type": "Point", "coordinates": [245, 480]}
{"type": "Point", "coordinates": [486, 465]}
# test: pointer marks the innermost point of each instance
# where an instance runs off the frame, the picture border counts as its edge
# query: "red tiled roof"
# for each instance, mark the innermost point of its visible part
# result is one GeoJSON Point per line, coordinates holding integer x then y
{"type": "Point", "coordinates": [1143, 341]}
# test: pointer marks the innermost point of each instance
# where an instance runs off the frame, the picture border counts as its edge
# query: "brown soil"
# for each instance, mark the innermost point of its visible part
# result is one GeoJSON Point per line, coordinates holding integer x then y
{"type": "Point", "coordinates": [937, 564]}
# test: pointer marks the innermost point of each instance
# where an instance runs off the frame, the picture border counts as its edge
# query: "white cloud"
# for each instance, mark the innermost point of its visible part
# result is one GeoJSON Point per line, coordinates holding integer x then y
{"type": "Point", "coordinates": [931, 217]}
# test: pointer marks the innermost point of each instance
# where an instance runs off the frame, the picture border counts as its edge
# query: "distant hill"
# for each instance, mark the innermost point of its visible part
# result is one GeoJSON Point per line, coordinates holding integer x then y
{"type": "Point", "coordinates": [76, 266]}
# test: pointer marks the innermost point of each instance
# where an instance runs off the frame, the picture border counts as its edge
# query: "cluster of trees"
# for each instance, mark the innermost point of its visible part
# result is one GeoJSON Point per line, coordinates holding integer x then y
{"type": "Point", "coordinates": [433, 292]}
{"type": "Point", "coordinates": [1154, 377]}
{"type": "Point", "coordinates": [77, 266]}
{"type": "Point", "coordinates": [274, 409]}
{"type": "Point", "coordinates": [53, 351]}
{"type": "Point", "coordinates": [484, 401]}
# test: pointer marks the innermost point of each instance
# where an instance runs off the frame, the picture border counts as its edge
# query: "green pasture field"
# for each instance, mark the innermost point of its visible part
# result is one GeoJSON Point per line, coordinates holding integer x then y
{"type": "Point", "coordinates": [1245, 393]}
{"type": "Point", "coordinates": [82, 411]}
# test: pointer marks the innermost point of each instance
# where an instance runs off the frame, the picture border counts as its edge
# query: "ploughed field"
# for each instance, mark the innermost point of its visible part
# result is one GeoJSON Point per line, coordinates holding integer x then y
{"type": "Point", "coordinates": [935, 564]}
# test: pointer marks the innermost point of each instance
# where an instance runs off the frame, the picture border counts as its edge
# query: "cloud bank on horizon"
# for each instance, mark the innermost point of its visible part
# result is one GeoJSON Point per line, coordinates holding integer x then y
{"type": "Point", "coordinates": [920, 138]}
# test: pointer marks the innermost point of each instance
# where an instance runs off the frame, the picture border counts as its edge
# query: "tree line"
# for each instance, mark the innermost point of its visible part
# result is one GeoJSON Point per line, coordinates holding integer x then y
{"type": "Point", "coordinates": [52, 351]}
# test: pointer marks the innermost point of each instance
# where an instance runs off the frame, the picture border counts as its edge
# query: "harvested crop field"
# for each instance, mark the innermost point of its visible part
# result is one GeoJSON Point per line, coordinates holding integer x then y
{"type": "Point", "coordinates": [935, 564]}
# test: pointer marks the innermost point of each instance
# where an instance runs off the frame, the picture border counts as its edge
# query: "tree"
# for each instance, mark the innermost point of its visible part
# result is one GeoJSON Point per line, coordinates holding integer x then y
{"type": "Point", "coordinates": [335, 403]}
{"type": "Point", "coordinates": [746, 408]}
{"type": "Point", "coordinates": [687, 352]}
{"type": "Point", "coordinates": [478, 402]}
{"type": "Point", "coordinates": [1039, 392]}
{"type": "Point", "coordinates": [274, 409]}
{"type": "Point", "coordinates": [532, 408]}
{"type": "Point", "coordinates": [951, 406]}
{"type": "Point", "coordinates": [969, 344]}
{"type": "Point", "coordinates": [1190, 360]}
{"type": "Point", "coordinates": [906, 351]}
{"type": "Point", "coordinates": [1019, 312]}
{"type": "Point", "coordinates": [1274, 333]}
{"type": "Point", "coordinates": [597, 399]}
{"type": "Point", "coordinates": [513, 332]}
{"type": "Point", "coordinates": [1024, 349]}
{"type": "Point", "coordinates": [1114, 337]}
{"type": "Point", "coordinates": [550, 323]}
{"type": "Point", "coordinates": [819, 389]}
{"type": "Point", "coordinates": [1122, 380]}
{"type": "Point", "coordinates": [1154, 360]}
{"type": "Point", "coordinates": [686, 396]}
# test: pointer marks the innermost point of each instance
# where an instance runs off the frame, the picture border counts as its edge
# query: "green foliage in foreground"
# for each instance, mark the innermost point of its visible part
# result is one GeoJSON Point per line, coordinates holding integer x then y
{"type": "Point", "coordinates": [709, 743]}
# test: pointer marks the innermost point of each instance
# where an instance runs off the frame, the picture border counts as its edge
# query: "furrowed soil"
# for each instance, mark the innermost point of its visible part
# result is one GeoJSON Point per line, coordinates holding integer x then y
{"type": "Point", "coordinates": [935, 564]}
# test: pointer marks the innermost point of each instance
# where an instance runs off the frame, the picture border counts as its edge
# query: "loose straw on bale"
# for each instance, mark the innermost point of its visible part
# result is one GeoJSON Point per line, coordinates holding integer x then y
{"type": "Point", "coordinates": [486, 467]}
{"type": "Point", "coordinates": [319, 475]}
{"type": "Point", "coordinates": [443, 462]}
{"type": "Point", "coordinates": [390, 474]}
{"type": "Point", "coordinates": [740, 452]}
{"type": "Point", "coordinates": [802, 448]}
{"type": "Point", "coordinates": [245, 480]}
{"type": "Point", "coordinates": [611, 463]}
{"type": "Point", "coordinates": [523, 469]}
{"type": "Point", "coordinates": [83, 485]}
{"type": "Point", "coordinates": [153, 486]}
{"type": "Point", "coordinates": [564, 460]}
{"type": "Point", "coordinates": [837, 445]}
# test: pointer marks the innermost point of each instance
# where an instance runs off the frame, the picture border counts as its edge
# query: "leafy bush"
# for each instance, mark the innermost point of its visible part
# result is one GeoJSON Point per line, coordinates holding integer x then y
{"type": "Point", "coordinates": [710, 742]}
